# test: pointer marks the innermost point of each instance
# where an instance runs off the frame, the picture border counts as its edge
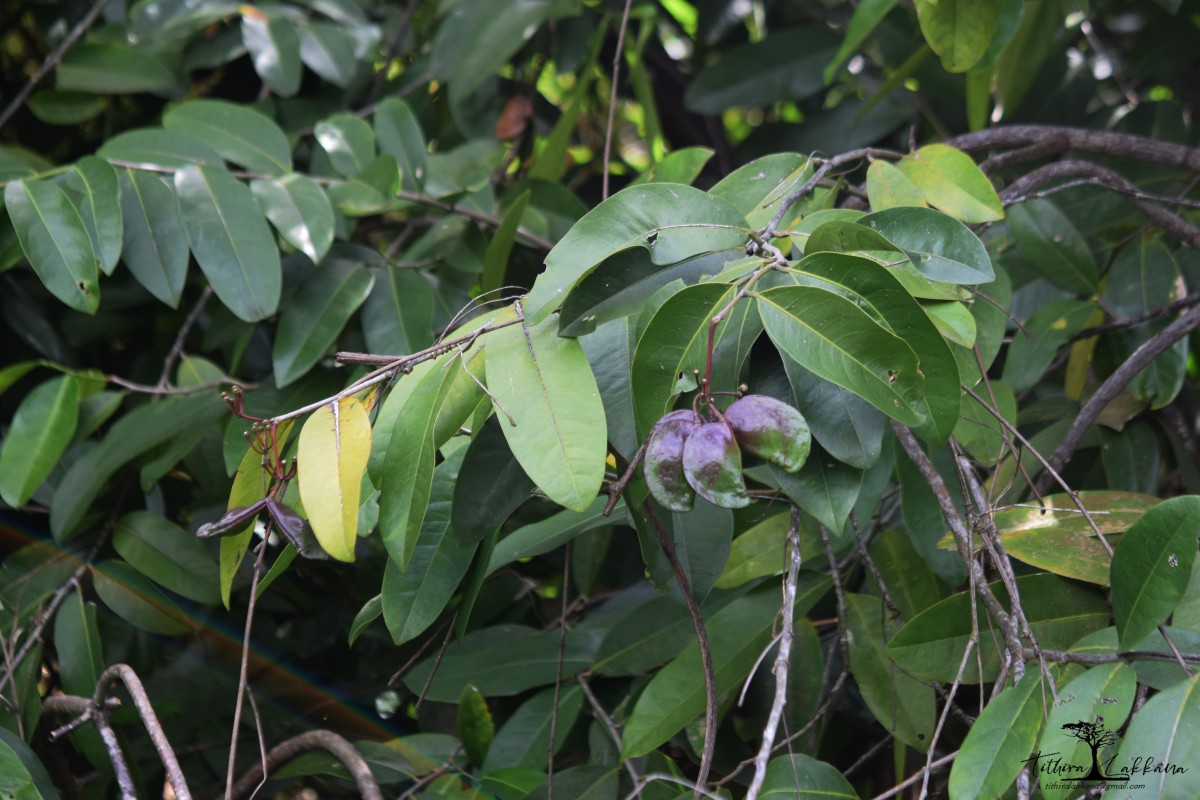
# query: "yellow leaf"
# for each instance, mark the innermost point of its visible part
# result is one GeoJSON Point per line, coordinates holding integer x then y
{"type": "Point", "coordinates": [335, 444]}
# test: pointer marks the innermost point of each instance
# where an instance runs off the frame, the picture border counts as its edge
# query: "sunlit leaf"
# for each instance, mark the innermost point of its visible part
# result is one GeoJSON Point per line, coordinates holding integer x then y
{"type": "Point", "coordinates": [334, 445]}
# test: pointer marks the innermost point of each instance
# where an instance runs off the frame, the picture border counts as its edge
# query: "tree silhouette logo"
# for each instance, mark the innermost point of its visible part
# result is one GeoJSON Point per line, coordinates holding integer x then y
{"type": "Point", "coordinates": [1095, 736]}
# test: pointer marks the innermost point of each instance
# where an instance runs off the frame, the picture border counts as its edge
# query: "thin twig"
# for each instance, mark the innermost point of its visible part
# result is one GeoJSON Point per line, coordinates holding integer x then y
{"type": "Point", "coordinates": [245, 665]}
{"type": "Point", "coordinates": [698, 788]}
{"type": "Point", "coordinates": [612, 98]}
{"type": "Point", "coordinates": [52, 60]}
{"type": "Point", "coordinates": [1137, 319]}
{"type": "Point", "coordinates": [819, 175]}
{"type": "Point", "coordinates": [710, 680]}
{"type": "Point", "coordinates": [781, 659]}
{"type": "Point", "coordinates": [177, 346]}
{"type": "Point", "coordinates": [562, 644]}
{"type": "Point", "coordinates": [1114, 384]}
{"type": "Point", "coordinates": [1083, 140]}
{"type": "Point", "coordinates": [609, 725]}
{"type": "Point", "coordinates": [917, 776]}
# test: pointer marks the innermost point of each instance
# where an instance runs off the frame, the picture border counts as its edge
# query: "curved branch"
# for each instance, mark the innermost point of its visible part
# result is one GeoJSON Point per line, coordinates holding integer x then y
{"type": "Point", "coordinates": [313, 740]}
{"type": "Point", "coordinates": [1097, 175]}
{"type": "Point", "coordinates": [1104, 143]}
{"type": "Point", "coordinates": [141, 701]}
{"type": "Point", "coordinates": [1112, 386]}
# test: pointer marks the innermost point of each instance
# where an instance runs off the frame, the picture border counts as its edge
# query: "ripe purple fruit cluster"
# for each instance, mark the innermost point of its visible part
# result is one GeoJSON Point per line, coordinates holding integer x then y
{"type": "Point", "coordinates": [687, 455]}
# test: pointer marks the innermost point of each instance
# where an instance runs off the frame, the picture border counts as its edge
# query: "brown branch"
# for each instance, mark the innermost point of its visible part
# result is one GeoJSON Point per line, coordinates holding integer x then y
{"type": "Point", "coordinates": [562, 644]}
{"type": "Point", "coordinates": [141, 701]}
{"type": "Point", "coordinates": [1137, 319]}
{"type": "Point", "coordinates": [177, 346]}
{"type": "Point", "coordinates": [819, 175]}
{"type": "Point", "coordinates": [710, 680]}
{"type": "Point", "coordinates": [1094, 659]}
{"type": "Point", "coordinates": [52, 60]}
{"type": "Point", "coordinates": [244, 666]}
{"type": "Point", "coordinates": [1114, 384]}
{"type": "Point", "coordinates": [1096, 175]}
{"type": "Point", "coordinates": [962, 536]}
{"type": "Point", "coordinates": [1104, 143]}
{"type": "Point", "coordinates": [314, 740]}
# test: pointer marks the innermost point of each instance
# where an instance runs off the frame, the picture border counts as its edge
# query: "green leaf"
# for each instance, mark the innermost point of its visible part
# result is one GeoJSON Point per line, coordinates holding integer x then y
{"type": "Point", "coordinates": [620, 285]}
{"type": "Point", "coordinates": [489, 488]}
{"type": "Point", "coordinates": [138, 431]}
{"type": "Point", "coordinates": [801, 777]}
{"type": "Point", "coordinates": [501, 661]}
{"type": "Point", "coordinates": [398, 133]}
{"type": "Point", "coordinates": [135, 600]}
{"type": "Point", "coordinates": [398, 315]}
{"type": "Point", "coordinates": [335, 443]}
{"type": "Point", "coordinates": [55, 241]}
{"type": "Point", "coordinates": [949, 180]}
{"type": "Point", "coordinates": [548, 534]}
{"type": "Point", "coordinates": [95, 181]}
{"type": "Point", "coordinates": [591, 782]}
{"type": "Point", "coordinates": [370, 191]}
{"type": "Point", "coordinates": [784, 66]}
{"type": "Point", "coordinates": [414, 597]}
{"type": "Point", "coordinates": [1152, 565]}
{"type": "Point", "coordinates": [371, 611]}
{"type": "Point", "coordinates": [155, 243]}
{"type": "Point", "coordinates": [315, 314]}
{"type": "Point", "coordinates": [475, 726]}
{"type": "Point", "coordinates": [824, 487]}
{"type": "Point", "coordinates": [755, 189]}
{"type": "Point", "coordinates": [116, 68]}
{"type": "Point", "coordinates": [348, 141]}
{"type": "Point", "coordinates": [905, 707]}
{"type": "Point", "coordinates": [158, 148]}
{"type": "Point", "coordinates": [958, 30]}
{"type": "Point", "coordinates": [756, 552]}
{"type": "Point", "coordinates": [407, 476]}
{"type": "Point", "coordinates": [167, 555]}
{"type": "Point", "coordinates": [475, 41]}
{"type": "Point", "coordinates": [1143, 278]}
{"type": "Point", "coordinates": [16, 782]}
{"type": "Point", "coordinates": [888, 187]}
{"type": "Point", "coordinates": [41, 429]}
{"type": "Point", "coordinates": [832, 337]}
{"type": "Point", "coordinates": [1055, 246]}
{"type": "Point", "coordinates": [681, 166]}
{"type": "Point", "coordinates": [879, 293]}
{"type": "Point", "coordinates": [55, 107]}
{"type": "Point", "coordinates": [867, 16]}
{"type": "Point", "coordinates": [1162, 733]}
{"type": "Point", "coordinates": [240, 134]}
{"type": "Point", "coordinates": [931, 645]}
{"type": "Point", "coordinates": [274, 47]}
{"type": "Point", "coordinates": [844, 424]}
{"type": "Point", "coordinates": [495, 263]}
{"type": "Point", "coordinates": [81, 661]}
{"type": "Point", "coordinates": [1000, 741]}
{"type": "Point", "coordinates": [300, 210]}
{"type": "Point", "coordinates": [1103, 694]}
{"type": "Point", "coordinates": [524, 740]}
{"type": "Point", "coordinates": [676, 342]}
{"type": "Point", "coordinates": [911, 585]}
{"type": "Point", "coordinates": [646, 629]}
{"type": "Point", "coordinates": [737, 634]}
{"type": "Point", "coordinates": [231, 241]}
{"type": "Point", "coordinates": [550, 409]}
{"type": "Point", "coordinates": [673, 222]}
{"type": "Point", "coordinates": [940, 247]}
{"type": "Point", "coordinates": [328, 50]}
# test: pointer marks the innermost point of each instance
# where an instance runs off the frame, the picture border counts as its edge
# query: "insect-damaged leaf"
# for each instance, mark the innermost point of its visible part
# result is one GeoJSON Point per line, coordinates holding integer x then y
{"type": "Point", "coordinates": [335, 443]}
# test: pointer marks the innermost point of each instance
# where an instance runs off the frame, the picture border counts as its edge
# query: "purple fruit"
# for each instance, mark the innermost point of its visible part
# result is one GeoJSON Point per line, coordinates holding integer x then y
{"type": "Point", "coordinates": [712, 464]}
{"type": "Point", "coordinates": [771, 430]}
{"type": "Point", "coordinates": [663, 465]}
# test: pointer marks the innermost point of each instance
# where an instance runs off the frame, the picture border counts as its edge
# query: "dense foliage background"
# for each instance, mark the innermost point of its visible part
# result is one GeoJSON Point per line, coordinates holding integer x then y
{"type": "Point", "coordinates": [457, 258]}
